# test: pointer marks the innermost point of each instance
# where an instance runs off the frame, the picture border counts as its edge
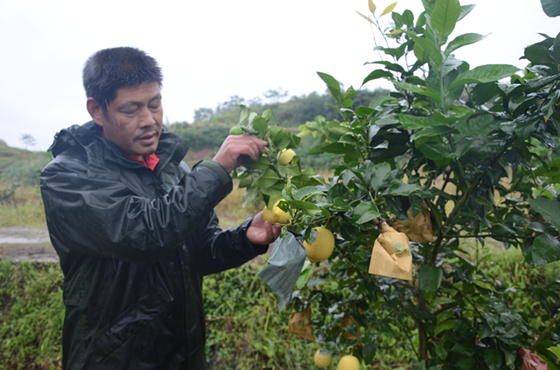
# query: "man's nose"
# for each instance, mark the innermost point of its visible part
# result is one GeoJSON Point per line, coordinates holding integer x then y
{"type": "Point", "coordinates": [147, 118]}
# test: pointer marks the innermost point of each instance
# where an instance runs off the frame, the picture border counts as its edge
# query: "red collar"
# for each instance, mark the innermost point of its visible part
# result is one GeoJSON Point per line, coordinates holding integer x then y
{"type": "Point", "coordinates": [150, 160]}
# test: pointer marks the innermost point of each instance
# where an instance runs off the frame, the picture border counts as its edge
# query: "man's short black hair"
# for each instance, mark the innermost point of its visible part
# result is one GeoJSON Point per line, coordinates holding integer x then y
{"type": "Point", "coordinates": [110, 69]}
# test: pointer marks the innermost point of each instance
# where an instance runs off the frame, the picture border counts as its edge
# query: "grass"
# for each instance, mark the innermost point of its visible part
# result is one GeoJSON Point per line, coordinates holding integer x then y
{"type": "Point", "coordinates": [231, 213]}
{"type": "Point", "coordinates": [23, 208]}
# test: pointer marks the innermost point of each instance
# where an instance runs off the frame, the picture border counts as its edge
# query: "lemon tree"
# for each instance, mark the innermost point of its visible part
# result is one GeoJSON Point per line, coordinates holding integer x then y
{"type": "Point", "coordinates": [474, 151]}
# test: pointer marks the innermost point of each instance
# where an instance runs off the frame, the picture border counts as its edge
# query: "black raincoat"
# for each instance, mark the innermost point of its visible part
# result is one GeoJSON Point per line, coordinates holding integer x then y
{"type": "Point", "coordinates": [134, 245]}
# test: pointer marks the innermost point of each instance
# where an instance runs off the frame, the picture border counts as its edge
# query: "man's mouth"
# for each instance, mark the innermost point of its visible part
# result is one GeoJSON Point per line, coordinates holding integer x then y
{"type": "Point", "coordinates": [147, 139]}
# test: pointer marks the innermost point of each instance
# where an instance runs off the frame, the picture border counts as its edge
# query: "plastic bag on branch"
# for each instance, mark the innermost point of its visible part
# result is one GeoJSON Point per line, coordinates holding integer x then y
{"type": "Point", "coordinates": [391, 254]}
{"type": "Point", "coordinates": [298, 324]}
{"type": "Point", "coordinates": [284, 267]}
{"type": "Point", "coordinates": [419, 228]}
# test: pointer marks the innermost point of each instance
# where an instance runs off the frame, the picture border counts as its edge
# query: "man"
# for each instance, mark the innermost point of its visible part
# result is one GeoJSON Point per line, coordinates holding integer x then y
{"type": "Point", "coordinates": [134, 227]}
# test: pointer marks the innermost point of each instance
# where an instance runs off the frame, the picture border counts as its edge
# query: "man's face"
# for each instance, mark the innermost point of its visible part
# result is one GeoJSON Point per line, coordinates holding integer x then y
{"type": "Point", "coordinates": [133, 119]}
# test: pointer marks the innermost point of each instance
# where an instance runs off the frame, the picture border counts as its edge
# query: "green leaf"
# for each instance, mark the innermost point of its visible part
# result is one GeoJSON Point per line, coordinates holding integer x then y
{"type": "Point", "coordinates": [436, 151]}
{"type": "Point", "coordinates": [444, 16]}
{"type": "Point", "coordinates": [390, 66]}
{"type": "Point", "coordinates": [261, 126]}
{"type": "Point", "coordinates": [484, 74]}
{"type": "Point", "coordinates": [339, 148]}
{"type": "Point", "coordinates": [376, 175]}
{"type": "Point", "coordinates": [481, 124]}
{"type": "Point", "coordinates": [395, 52]}
{"type": "Point", "coordinates": [389, 9]}
{"type": "Point", "coordinates": [441, 352]}
{"type": "Point", "coordinates": [365, 212]}
{"type": "Point", "coordinates": [442, 301]}
{"type": "Point", "coordinates": [429, 5]}
{"type": "Point", "coordinates": [371, 6]}
{"type": "Point", "coordinates": [268, 179]}
{"type": "Point", "coordinates": [483, 285]}
{"type": "Point", "coordinates": [365, 17]}
{"type": "Point", "coordinates": [420, 53]}
{"type": "Point", "coordinates": [399, 188]}
{"type": "Point", "coordinates": [446, 325]}
{"type": "Point", "coordinates": [549, 209]}
{"type": "Point", "coordinates": [493, 359]}
{"type": "Point", "coordinates": [545, 249]}
{"type": "Point", "coordinates": [378, 73]}
{"type": "Point", "coordinates": [411, 122]}
{"type": "Point", "coordinates": [262, 164]}
{"type": "Point", "coordinates": [428, 46]}
{"type": "Point", "coordinates": [551, 7]}
{"type": "Point", "coordinates": [463, 40]}
{"type": "Point", "coordinates": [307, 207]}
{"type": "Point", "coordinates": [539, 55]}
{"type": "Point", "coordinates": [555, 350]}
{"type": "Point", "coordinates": [465, 10]}
{"type": "Point", "coordinates": [333, 86]}
{"type": "Point", "coordinates": [431, 131]}
{"type": "Point", "coordinates": [418, 90]}
{"type": "Point", "coordinates": [368, 352]}
{"type": "Point", "coordinates": [304, 275]}
{"type": "Point", "coordinates": [444, 316]}
{"type": "Point", "coordinates": [408, 18]}
{"type": "Point", "coordinates": [244, 114]}
{"type": "Point", "coordinates": [308, 191]}
{"type": "Point", "coordinates": [429, 280]}
{"type": "Point", "coordinates": [249, 197]}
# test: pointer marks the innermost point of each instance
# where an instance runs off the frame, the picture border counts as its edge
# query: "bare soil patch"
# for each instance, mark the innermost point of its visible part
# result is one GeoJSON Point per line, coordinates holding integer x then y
{"type": "Point", "coordinates": [19, 243]}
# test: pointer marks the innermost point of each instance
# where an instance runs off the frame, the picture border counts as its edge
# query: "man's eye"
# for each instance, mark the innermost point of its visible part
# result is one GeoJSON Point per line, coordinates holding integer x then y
{"type": "Point", "coordinates": [154, 107]}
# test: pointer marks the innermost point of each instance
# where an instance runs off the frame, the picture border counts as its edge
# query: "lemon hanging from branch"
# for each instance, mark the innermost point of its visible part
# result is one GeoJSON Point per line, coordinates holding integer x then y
{"type": "Point", "coordinates": [322, 247]}
{"type": "Point", "coordinates": [286, 157]}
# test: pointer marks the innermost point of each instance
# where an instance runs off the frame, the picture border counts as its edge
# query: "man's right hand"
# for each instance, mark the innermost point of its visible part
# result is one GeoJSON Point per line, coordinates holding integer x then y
{"type": "Point", "coordinates": [236, 148]}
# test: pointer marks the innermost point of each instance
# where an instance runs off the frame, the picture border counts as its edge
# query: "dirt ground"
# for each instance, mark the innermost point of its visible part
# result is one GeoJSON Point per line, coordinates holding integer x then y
{"type": "Point", "coordinates": [32, 244]}
{"type": "Point", "coordinates": [26, 243]}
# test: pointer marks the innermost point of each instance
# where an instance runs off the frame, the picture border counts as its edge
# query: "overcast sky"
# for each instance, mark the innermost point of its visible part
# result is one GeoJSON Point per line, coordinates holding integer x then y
{"type": "Point", "coordinates": [211, 50]}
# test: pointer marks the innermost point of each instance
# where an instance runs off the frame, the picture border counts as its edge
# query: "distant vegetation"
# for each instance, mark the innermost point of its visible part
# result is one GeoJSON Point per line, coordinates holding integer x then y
{"type": "Point", "coordinates": [211, 126]}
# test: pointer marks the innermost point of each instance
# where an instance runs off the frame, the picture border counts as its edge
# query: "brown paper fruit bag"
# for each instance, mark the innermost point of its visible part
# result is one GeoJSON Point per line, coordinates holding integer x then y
{"type": "Point", "coordinates": [391, 254]}
{"type": "Point", "coordinates": [419, 228]}
{"type": "Point", "coordinates": [298, 324]}
{"type": "Point", "coordinates": [532, 361]}
{"type": "Point", "coordinates": [346, 321]}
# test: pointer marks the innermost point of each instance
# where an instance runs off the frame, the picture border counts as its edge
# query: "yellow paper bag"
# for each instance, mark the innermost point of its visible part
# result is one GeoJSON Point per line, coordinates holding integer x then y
{"type": "Point", "coordinates": [298, 324]}
{"type": "Point", "coordinates": [391, 254]}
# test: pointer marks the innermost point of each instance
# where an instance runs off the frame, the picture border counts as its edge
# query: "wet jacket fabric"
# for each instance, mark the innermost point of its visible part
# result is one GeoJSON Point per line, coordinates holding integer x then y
{"type": "Point", "coordinates": [134, 245]}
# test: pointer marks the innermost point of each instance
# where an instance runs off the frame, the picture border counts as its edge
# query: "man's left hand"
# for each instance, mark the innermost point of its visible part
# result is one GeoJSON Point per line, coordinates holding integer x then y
{"type": "Point", "coordinates": [262, 232]}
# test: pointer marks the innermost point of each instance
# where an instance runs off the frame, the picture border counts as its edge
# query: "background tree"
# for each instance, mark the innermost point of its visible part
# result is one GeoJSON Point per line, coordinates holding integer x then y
{"type": "Point", "coordinates": [28, 140]}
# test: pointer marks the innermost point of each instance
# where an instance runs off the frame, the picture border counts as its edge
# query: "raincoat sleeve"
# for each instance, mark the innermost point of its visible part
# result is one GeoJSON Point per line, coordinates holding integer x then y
{"type": "Point", "coordinates": [106, 217]}
{"type": "Point", "coordinates": [219, 250]}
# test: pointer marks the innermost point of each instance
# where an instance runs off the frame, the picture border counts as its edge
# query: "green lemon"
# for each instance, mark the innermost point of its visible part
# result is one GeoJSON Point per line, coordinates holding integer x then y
{"type": "Point", "coordinates": [236, 130]}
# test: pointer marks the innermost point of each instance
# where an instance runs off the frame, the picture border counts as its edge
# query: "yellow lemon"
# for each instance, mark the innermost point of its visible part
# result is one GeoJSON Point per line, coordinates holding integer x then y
{"type": "Point", "coordinates": [348, 363]}
{"type": "Point", "coordinates": [322, 247]}
{"type": "Point", "coordinates": [322, 361]}
{"type": "Point", "coordinates": [286, 156]}
{"type": "Point", "coordinates": [268, 215]}
{"type": "Point", "coordinates": [279, 215]}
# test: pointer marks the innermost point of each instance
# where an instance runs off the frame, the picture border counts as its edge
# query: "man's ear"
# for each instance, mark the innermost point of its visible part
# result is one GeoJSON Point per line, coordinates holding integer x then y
{"type": "Point", "coordinates": [95, 111]}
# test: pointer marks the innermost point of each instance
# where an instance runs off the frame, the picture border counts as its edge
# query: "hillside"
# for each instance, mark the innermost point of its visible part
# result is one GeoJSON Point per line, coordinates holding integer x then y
{"type": "Point", "coordinates": [21, 166]}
